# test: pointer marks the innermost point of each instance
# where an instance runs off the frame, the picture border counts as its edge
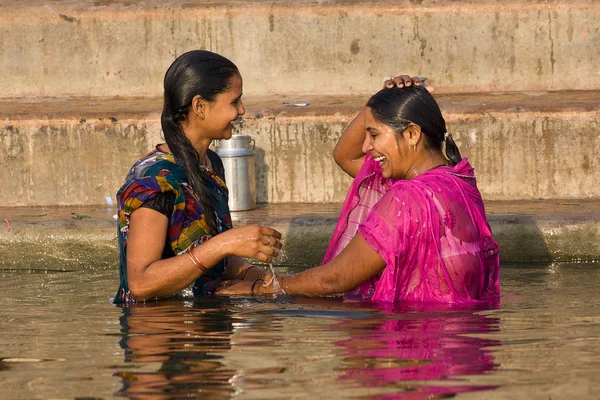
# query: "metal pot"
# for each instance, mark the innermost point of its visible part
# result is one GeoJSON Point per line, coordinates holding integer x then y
{"type": "Point", "coordinates": [237, 155]}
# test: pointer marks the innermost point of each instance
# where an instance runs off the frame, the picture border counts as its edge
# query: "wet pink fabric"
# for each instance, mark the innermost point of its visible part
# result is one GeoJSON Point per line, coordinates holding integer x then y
{"type": "Point", "coordinates": [431, 231]}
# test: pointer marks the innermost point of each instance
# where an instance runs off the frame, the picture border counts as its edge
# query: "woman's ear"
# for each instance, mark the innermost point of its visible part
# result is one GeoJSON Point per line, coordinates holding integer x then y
{"type": "Point", "coordinates": [413, 135]}
{"type": "Point", "coordinates": [199, 106]}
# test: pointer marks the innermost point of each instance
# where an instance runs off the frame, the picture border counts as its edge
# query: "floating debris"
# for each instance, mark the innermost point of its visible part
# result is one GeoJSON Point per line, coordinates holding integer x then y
{"type": "Point", "coordinates": [79, 216]}
{"type": "Point", "coordinates": [285, 103]}
{"type": "Point", "coordinates": [29, 360]}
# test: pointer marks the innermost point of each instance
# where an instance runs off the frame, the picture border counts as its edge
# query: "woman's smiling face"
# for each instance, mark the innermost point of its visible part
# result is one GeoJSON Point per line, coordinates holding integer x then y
{"type": "Point", "coordinates": [226, 108]}
{"type": "Point", "coordinates": [393, 153]}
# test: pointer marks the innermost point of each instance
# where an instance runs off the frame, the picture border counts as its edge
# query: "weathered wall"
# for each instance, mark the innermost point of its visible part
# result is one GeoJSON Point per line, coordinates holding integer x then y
{"type": "Point", "coordinates": [101, 49]}
{"type": "Point", "coordinates": [515, 155]}
{"type": "Point", "coordinates": [69, 162]}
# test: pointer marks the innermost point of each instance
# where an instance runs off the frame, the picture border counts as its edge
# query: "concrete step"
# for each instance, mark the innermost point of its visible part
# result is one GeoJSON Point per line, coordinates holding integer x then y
{"type": "Point", "coordinates": [107, 48]}
{"type": "Point", "coordinates": [69, 238]}
{"type": "Point", "coordinates": [76, 151]}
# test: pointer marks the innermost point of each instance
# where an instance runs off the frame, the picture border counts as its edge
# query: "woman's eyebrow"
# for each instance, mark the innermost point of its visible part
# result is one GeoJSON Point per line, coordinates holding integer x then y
{"type": "Point", "coordinates": [371, 129]}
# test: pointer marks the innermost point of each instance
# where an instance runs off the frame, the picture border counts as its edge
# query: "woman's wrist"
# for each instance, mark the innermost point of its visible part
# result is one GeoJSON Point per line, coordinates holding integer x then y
{"type": "Point", "coordinates": [246, 274]}
{"type": "Point", "coordinates": [255, 287]}
{"type": "Point", "coordinates": [220, 245]}
{"type": "Point", "coordinates": [194, 258]}
{"type": "Point", "coordinates": [265, 288]}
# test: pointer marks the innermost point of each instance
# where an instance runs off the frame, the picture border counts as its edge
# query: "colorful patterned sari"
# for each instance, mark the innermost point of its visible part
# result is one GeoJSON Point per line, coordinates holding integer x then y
{"type": "Point", "coordinates": [157, 173]}
{"type": "Point", "coordinates": [431, 232]}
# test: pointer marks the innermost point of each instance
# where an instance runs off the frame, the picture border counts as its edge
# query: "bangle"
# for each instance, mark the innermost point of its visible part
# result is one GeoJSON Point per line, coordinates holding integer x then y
{"type": "Point", "coordinates": [254, 284]}
{"type": "Point", "coordinates": [196, 261]}
{"type": "Point", "coordinates": [246, 271]}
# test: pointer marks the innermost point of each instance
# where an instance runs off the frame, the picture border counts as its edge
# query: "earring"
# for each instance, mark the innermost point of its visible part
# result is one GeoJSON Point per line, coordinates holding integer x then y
{"type": "Point", "coordinates": [414, 145]}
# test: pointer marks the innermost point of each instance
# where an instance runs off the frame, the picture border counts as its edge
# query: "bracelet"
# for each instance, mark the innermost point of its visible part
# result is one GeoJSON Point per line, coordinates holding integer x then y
{"type": "Point", "coordinates": [195, 260]}
{"type": "Point", "coordinates": [246, 271]}
{"type": "Point", "coordinates": [254, 284]}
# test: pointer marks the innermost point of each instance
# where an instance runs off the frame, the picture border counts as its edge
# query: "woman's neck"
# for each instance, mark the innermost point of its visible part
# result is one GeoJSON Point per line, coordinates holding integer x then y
{"type": "Point", "coordinates": [200, 148]}
{"type": "Point", "coordinates": [428, 162]}
{"type": "Point", "coordinates": [192, 131]}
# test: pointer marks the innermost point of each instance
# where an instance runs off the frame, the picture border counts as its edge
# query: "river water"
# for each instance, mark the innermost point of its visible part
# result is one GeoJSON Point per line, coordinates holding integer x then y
{"type": "Point", "coordinates": [61, 338]}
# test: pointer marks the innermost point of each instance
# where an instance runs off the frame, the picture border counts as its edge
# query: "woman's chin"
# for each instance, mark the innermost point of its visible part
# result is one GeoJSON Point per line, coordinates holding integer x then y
{"type": "Point", "coordinates": [388, 174]}
{"type": "Point", "coordinates": [227, 135]}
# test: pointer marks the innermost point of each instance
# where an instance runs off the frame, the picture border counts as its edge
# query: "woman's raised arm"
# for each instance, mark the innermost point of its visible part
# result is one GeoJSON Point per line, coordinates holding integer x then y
{"type": "Point", "coordinates": [348, 152]}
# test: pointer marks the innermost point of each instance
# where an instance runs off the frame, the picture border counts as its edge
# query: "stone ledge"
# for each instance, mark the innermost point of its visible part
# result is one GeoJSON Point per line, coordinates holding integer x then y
{"type": "Point", "coordinates": [523, 145]}
{"type": "Point", "coordinates": [110, 110]}
{"type": "Point", "coordinates": [67, 238]}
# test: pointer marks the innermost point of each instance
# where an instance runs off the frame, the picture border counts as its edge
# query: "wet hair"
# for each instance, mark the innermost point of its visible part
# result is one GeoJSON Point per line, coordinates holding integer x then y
{"type": "Point", "coordinates": [398, 107]}
{"type": "Point", "coordinates": [197, 72]}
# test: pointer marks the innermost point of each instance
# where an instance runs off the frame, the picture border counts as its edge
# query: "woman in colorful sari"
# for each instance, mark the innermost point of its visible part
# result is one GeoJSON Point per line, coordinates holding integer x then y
{"type": "Point", "coordinates": [413, 226]}
{"type": "Point", "coordinates": [175, 231]}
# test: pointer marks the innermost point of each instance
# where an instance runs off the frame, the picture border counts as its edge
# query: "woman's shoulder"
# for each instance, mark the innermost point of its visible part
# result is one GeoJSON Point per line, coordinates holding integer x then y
{"type": "Point", "coordinates": [157, 171]}
{"type": "Point", "coordinates": [156, 163]}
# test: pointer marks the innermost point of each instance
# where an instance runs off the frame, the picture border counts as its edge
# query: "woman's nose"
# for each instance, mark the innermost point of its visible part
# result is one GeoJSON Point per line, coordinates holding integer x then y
{"type": "Point", "coordinates": [241, 108]}
{"type": "Point", "coordinates": [367, 144]}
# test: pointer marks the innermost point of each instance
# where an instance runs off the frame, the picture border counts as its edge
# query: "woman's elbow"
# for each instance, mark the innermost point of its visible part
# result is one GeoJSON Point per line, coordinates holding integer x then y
{"type": "Point", "coordinates": [139, 291]}
{"type": "Point", "coordinates": [338, 156]}
{"type": "Point", "coordinates": [138, 294]}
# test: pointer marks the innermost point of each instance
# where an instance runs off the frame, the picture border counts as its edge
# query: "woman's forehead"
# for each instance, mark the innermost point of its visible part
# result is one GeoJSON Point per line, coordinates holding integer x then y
{"type": "Point", "coordinates": [372, 124]}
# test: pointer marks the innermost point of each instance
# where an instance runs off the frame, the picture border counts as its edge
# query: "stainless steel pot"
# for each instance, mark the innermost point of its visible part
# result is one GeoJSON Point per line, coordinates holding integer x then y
{"type": "Point", "coordinates": [237, 154]}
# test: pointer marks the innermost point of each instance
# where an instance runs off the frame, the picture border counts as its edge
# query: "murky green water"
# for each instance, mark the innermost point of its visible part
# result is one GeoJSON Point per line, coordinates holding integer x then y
{"type": "Point", "coordinates": [62, 339]}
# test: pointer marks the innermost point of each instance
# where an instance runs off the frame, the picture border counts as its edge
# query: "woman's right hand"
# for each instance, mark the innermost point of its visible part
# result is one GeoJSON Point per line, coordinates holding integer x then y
{"type": "Point", "coordinates": [405, 81]}
{"type": "Point", "coordinates": [402, 81]}
{"type": "Point", "coordinates": [252, 241]}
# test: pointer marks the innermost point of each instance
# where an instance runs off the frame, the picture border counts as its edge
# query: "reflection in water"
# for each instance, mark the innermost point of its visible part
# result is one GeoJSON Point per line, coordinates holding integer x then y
{"type": "Point", "coordinates": [185, 340]}
{"type": "Point", "coordinates": [181, 349]}
{"type": "Point", "coordinates": [429, 343]}
{"type": "Point", "coordinates": [60, 339]}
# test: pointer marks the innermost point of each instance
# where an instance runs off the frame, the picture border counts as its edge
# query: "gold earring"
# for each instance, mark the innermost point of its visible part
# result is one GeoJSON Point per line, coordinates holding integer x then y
{"type": "Point", "coordinates": [414, 145]}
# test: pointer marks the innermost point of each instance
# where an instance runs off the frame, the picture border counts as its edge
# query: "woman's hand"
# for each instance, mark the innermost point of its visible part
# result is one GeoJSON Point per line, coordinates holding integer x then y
{"type": "Point", "coordinates": [261, 285]}
{"type": "Point", "coordinates": [402, 81]}
{"type": "Point", "coordinates": [236, 287]}
{"type": "Point", "coordinates": [252, 241]}
{"type": "Point", "coordinates": [405, 81]}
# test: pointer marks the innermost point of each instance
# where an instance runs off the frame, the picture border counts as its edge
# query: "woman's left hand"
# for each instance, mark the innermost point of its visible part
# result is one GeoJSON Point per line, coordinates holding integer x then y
{"type": "Point", "coordinates": [235, 287]}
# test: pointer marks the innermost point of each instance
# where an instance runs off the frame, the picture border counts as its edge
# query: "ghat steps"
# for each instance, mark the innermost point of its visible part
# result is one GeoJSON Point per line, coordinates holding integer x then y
{"type": "Point", "coordinates": [517, 81]}
{"type": "Point", "coordinates": [123, 48]}
{"type": "Point", "coordinates": [66, 238]}
{"type": "Point", "coordinates": [523, 145]}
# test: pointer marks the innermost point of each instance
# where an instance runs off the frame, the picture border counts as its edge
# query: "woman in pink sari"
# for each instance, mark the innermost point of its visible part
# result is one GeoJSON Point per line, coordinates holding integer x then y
{"type": "Point", "coordinates": [413, 225]}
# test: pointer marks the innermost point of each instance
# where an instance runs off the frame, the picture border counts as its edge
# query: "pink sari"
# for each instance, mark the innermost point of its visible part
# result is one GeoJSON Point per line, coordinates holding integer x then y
{"type": "Point", "coordinates": [430, 231]}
